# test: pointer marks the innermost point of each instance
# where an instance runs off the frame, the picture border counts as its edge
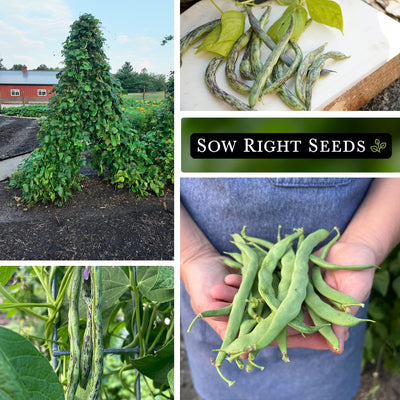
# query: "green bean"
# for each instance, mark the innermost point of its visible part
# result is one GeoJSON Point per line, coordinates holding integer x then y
{"type": "Point", "coordinates": [231, 263]}
{"type": "Point", "coordinates": [255, 44]}
{"type": "Point", "coordinates": [267, 330]}
{"type": "Point", "coordinates": [73, 332]}
{"type": "Point", "coordinates": [268, 66]}
{"type": "Point", "coordinates": [315, 71]}
{"type": "Point", "coordinates": [218, 92]}
{"type": "Point", "coordinates": [273, 87]}
{"type": "Point", "coordinates": [327, 265]}
{"type": "Point", "coordinates": [196, 34]}
{"type": "Point", "coordinates": [236, 256]}
{"type": "Point", "coordinates": [286, 95]}
{"type": "Point", "coordinates": [211, 313]}
{"type": "Point", "coordinates": [268, 266]}
{"type": "Point", "coordinates": [230, 66]}
{"type": "Point", "coordinates": [87, 345]}
{"type": "Point", "coordinates": [300, 81]}
{"type": "Point", "coordinates": [325, 311]}
{"type": "Point", "coordinates": [245, 64]}
{"type": "Point", "coordinates": [239, 302]}
{"type": "Point", "coordinates": [326, 331]}
{"type": "Point", "coordinates": [98, 347]}
{"type": "Point", "coordinates": [281, 339]}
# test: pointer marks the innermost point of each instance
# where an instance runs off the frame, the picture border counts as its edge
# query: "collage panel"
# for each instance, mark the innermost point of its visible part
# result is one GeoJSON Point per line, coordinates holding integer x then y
{"type": "Point", "coordinates": [86, 132]}
{"type": "Point", "coordinates": [87, 332]}
{"type": "Point", "coordinates": [289, 268]}
{"type": "Point", "coordinates": [288, 55]}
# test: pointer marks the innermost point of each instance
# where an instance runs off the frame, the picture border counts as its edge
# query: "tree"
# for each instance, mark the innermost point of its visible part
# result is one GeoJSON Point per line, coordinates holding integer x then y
{"type": "Point", "coordinates": [2, 67]}
{"type": "Point", "coordinates": [127, 77]}
{"type": "Point", "coordinates": [17, 67]}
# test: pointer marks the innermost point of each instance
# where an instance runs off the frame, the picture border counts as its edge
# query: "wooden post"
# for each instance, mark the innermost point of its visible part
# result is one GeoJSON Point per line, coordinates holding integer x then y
{"type": "Point", "coordinates": [144, 91]}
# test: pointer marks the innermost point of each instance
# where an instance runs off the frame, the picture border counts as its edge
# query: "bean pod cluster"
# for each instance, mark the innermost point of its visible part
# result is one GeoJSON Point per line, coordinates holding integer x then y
{"type": "Point", "coordinates": [280, 282]}
{"type": "Point", "coordinates": [85, 366]}
{"type": "Point", "coordinates": [260, 77]}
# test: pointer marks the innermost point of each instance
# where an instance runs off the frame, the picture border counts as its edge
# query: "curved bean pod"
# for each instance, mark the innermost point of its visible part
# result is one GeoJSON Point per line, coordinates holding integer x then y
{"type": "Point", "coordinates": [230, 66]}
{"type": "Point", "coordinates": [325, 311]}
{"type": "Point", "coordinates": [218, 92]}
{"type": "Point", "coordinates": [284, 76]}
{"type": "Point", "coordinates": [269, 64]}
{"type": "Point", "coordinates": [245, 64]}
{"type": "Point", "coordinates": [315, 71]}
{"type": "Point", "coordinates": [196, 34]}
{"type": "Point", "coordinates": [300, 81]}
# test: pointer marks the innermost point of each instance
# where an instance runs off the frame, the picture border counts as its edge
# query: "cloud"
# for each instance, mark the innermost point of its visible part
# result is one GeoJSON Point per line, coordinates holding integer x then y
{"type": "Point", "coordinates": [33, 30]}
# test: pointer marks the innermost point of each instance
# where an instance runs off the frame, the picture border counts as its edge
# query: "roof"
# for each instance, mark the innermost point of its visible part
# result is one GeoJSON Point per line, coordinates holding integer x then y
{"type": "Point", "coordinates": [29, 77]}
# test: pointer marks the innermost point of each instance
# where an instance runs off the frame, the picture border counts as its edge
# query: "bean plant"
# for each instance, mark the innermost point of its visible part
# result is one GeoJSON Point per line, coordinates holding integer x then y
{"type": "Point", "coordinates": [42, 306]}
{"type": "Point", "coordinates": [86, 117]}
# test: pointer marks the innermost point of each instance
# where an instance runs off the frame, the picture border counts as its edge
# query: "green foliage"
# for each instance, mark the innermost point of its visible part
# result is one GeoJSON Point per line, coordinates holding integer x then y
{"type": "Point", "coordinates": [152, 312]}
{"type": "Point", "coordinates": [37, 110]}
{"type": "Point", "coordinates": [382, 340]}
{"type": "Point", "coordinates": [25, 373]}
{"type": "Point", "coordinates": [86, 114]}
{"type": "Point", "coordinates": [133, 81]}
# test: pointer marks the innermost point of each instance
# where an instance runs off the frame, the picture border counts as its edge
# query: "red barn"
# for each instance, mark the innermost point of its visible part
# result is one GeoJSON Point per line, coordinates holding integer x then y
{"type": "Point", "coordinates": [27, 86]}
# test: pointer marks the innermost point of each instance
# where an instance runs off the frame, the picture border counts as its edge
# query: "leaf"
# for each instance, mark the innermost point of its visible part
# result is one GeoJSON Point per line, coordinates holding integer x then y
{"type": "Point", "coordinates": [170, 377]}
{"type": "Point", "coordinates": [381, 282]}
{"type": "Point", "coordinates": [147, 278]}
{"type": "Point", "coordinates": [281, 25]}
{"type": "Point", "coordinates": [221, 39]}
{"type": "Point", "coordinates": [396, 286]}
{"type": "Point", "coordinates": [165, 278]}
{"type": "Point", "coordinates": [326, 12]}
{"type": "Point", "coordinates": [24, 372]}
{"type": "Point", "coordinates": [158, 366]}
{"type": "Point", "coordinates": [5, 274]}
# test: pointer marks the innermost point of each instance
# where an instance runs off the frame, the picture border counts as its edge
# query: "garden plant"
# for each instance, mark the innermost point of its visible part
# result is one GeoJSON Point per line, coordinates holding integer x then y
{"type": "Point", "coordinates": [87, 332]}
{"type": "Point", "coordinates": [86, 120]}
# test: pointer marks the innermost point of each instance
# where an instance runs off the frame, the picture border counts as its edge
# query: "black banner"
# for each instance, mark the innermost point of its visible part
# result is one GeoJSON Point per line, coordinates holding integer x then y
{"type": "Point", "coordinates": [291, 145]}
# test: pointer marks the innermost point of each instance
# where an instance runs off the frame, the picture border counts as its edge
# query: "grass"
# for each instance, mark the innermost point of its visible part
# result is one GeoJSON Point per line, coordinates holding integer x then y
{"type": "Point", "coordinates": [149, 96]}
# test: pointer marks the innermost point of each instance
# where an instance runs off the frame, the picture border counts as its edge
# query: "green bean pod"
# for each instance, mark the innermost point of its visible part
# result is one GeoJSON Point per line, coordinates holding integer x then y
{"type": "Point", "coordinates": [255, 44]}
{"type": "Point", "coordinates": [196, 34]}
{"type": "Point", "coordinates": [315, 71]}
{"type": "Point", "coordinates": [218, 92]}
{"type": "Point", "coordinates": [230, 65]}
{"type": "Point", "coordinates": [327, 265]}
{"type": "Point", "coordinates": [211, 313]}
{"type": "Point", "coordinates": [325, 311]}
{"type": "Point", "coordinates": [73, 333]}
{"type": "Point", "coordinates": [87, 344]}
{"type": "Point", "coordinates": [326, 331]}
{"type": "Point", "coordinates": [268, 66]}
{"type": "Point", "coordinates": [239, 302]}
{"type": "Point", "coordinates": [98, 347]}
{"type": "Point", "coordinates": [283, 77]}
{"type": "Point", "coordinates": [301, 75]}
{"type": "Point", "coordinates": [245, 64]}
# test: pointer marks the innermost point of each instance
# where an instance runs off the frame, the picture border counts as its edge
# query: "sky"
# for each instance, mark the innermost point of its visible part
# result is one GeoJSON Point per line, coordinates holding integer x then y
{"type": "Point", "coordinates": [32, 32]}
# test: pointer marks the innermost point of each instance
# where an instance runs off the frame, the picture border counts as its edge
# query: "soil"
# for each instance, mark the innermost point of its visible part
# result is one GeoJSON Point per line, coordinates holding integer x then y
{"type": "Point", "coordinates": [98, 223]}
{"type": "Point", "coordinates": [17, 136]}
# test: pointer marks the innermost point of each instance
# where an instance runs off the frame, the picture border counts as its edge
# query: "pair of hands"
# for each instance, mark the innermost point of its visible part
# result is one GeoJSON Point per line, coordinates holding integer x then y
{"type": "Point", "coordinates": [212, 285]}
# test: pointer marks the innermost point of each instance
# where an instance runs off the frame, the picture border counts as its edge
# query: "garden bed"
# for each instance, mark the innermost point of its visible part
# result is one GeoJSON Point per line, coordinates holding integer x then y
{"type": "Point", "coordinates": [98, 223]}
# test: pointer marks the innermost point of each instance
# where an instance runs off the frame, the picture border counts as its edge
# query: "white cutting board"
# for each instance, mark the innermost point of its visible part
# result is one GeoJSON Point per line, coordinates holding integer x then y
{"type": "Point", "coordinates": [371, 38]}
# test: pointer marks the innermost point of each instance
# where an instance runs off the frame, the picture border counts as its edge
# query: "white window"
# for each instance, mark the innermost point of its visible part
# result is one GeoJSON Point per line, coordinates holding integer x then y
{"type": "Point", "coordinates": [42, 92]}
{"type": "Point", "coordinates": [15, 92]}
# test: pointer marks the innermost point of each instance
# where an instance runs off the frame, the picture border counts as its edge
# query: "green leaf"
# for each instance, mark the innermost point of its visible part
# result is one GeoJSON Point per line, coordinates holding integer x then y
{"type": "Point", "coordinates": [221, 39]}
{"type": "Point", "coordinates": [381, 282]}
{"type": "Point", "coordinates": [147, 278]}
{"type": "Point", "coordinates": [24, 373]}
{"type": "Point", "coordinates": [281, 25]}
{"type": "Point", "coordinates": [165, 278]}
{"type": "Point", "coordinates": [326, 12]}
{"type": "Point", "coordinates": [158, 366]}
{"type": "Point", "coordinates": [170, 377]}
{"type": "Point", "coordinates": [396, 286]}
{"type": "Point", "coordinates": [5, 274]}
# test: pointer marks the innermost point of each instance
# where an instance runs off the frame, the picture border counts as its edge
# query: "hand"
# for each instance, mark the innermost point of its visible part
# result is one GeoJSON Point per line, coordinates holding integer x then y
{"type": "Point", "coordinates": [210, 285]}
